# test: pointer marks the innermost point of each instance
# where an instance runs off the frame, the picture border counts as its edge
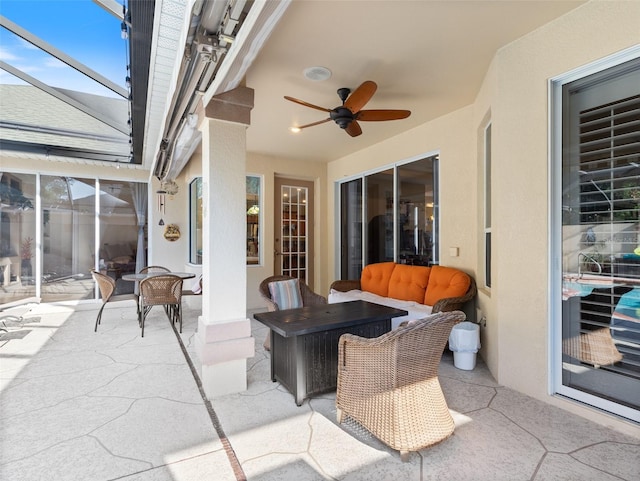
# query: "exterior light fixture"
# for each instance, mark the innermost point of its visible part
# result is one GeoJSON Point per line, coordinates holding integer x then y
{"type": "Point", "coordinates": [295, 130]}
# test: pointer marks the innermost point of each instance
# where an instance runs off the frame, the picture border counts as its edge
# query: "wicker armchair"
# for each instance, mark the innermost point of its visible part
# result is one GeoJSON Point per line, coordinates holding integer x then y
{"type": "Point", "coordinates": [161, 290]}
{"type": "Point", "coordinates": [107, 288]}
{"type": "Point", "coordinates": [309, 298]}
{"type": "Point", "coordinates": [390, 385]}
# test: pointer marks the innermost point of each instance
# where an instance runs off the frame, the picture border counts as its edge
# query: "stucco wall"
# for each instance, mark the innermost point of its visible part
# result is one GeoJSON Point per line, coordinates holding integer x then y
{"type": "Point", "coordinates": [520, 168]}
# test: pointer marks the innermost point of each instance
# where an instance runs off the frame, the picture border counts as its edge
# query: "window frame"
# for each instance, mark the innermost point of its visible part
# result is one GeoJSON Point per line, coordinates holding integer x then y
{"type": "Point", "coordinates": [193, 221]}
{"type": "Point", "coordinates": [487, 132]}
{"type": "Point", "coordinates": [260, 222]}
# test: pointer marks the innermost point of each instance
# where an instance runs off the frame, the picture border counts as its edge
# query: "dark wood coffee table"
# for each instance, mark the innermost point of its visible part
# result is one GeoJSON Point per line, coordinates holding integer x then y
{"type": "Point", "coordinates": [304, 341]}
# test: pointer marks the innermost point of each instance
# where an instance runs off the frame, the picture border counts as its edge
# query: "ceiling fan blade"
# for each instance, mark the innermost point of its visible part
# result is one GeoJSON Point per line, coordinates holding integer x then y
{"type": "Point", "coordinates": [353, 129]}
{"type": "Point", "coordinates": [375, 115]}
{"type": "Point", "coordinates": [306, 104]}
{"type": "Point", "coordinates": [314, 123]}
{"type": "Point", "coordinates": [360, 96]}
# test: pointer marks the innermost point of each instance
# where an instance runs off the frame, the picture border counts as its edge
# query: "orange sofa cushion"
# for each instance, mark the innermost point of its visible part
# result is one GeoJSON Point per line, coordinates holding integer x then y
{"type": "Point", "coordinates": [375, 278]}
{"type": "Point", "coordinates": [445, 282]}
{"type": "Point", "coordinates": [409, 283]}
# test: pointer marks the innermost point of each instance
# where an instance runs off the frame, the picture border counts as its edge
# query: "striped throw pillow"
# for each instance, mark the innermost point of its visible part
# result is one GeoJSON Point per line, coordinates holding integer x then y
{"type": "Point", "coordinates": [286, 294]}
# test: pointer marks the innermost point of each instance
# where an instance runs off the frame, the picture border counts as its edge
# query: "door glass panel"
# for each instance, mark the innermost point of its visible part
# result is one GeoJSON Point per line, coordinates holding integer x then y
{"type": "Point", "coordinates": [379, 202]}
{"type": "Point", "coordinates": [18, 253]}
{"type": "Point", "coordinates": [293, 231]}
{"type": "Point", "coordinates": [415, 213]}
{"type": "Point", "coordinates": [600, 244]}
{"type": "Point", "coordinates": [68, 238]}
{"type": "Point", "coordinates": [351, 229]}
{"type": "Point", "coordinates": [118, 233]}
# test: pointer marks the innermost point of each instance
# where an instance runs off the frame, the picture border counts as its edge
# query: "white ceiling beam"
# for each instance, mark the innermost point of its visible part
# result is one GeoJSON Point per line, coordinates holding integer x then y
{"type": "Point", "coordinates": [122, 127]}
{"type": "Point", "coordinates": [111, 6]}
{"type": "Point", "coordinates": [63, 57]}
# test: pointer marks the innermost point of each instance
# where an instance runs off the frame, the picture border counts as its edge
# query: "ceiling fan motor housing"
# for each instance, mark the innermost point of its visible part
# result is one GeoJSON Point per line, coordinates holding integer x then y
{"type": "Point", "coordinates": [341, 116]}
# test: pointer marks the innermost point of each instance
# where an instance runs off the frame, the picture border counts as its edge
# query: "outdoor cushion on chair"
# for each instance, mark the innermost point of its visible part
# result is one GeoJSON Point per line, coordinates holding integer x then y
{"type": "Point", "coordinates": [286, 294]}
{"type": "Point", "coordinates": [307, 297]}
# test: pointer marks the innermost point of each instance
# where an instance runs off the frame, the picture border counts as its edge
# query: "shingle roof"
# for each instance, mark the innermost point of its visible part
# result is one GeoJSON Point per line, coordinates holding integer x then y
{"type": "Point", "coordinates": [31, 117]}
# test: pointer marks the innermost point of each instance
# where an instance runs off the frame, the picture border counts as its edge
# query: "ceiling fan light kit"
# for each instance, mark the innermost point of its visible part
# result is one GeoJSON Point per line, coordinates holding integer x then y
{"type": "Point", "coordinates": [347, 115]}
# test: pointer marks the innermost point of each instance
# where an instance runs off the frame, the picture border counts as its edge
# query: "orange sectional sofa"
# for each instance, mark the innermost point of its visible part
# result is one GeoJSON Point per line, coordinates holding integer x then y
{"type": "Point", "coordinates": [419, 290]}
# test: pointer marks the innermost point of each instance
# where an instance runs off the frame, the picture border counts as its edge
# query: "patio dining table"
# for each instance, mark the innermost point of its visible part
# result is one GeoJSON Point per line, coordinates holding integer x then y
{"type": "Point", "coordinates": [140, 277]}
{"type": "Point", "coordinates": [137, 277]}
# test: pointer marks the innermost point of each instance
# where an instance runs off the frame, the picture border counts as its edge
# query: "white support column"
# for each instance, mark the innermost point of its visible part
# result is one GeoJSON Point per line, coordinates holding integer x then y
{"type": "Point", "coordinates": [223, 341]}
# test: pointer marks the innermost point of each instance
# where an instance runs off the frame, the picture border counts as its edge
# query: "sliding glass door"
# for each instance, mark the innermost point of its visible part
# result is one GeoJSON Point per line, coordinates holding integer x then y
{"type": "Point", "coordinates": [390, 215]}
{"type": "Point", "coordinates": [55, 229]}
{"type": "Point", "coordinates": [68, 237]}
{"type": "Point", "coordinates": [599, 177]}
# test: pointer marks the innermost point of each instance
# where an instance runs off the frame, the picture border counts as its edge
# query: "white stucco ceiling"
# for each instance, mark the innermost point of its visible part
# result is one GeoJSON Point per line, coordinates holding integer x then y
{"type": "Point", "coordinates": [429, 57]}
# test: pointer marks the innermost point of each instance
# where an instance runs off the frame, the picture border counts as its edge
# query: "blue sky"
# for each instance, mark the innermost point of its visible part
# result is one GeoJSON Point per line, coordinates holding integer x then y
{"type": "Point", "coordinates": [80, 28]}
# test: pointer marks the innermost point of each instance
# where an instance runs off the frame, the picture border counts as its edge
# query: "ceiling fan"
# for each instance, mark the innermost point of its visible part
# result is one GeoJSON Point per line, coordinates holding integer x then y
{"type": "Point", "coordinates": [349, 113]}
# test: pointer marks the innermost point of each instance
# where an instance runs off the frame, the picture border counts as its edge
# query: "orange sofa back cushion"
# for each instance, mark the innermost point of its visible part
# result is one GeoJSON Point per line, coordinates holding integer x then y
{"type": "Point", "coordinates": [445, 282]}
{"type": "Point", "coordinates": [409, 283]}
{"type": "Point", "coordinates": [375, 278]}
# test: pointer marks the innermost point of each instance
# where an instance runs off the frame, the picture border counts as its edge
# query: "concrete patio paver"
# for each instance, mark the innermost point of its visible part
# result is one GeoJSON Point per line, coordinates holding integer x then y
{"type": "Point", "coordinates": [111, 405]}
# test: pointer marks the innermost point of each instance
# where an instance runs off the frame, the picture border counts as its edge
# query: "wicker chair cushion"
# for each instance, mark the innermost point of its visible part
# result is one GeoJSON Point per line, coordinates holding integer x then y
{"type": "Point", "coordinates": [286, 294]}
{"type": "Point", "coordinates": [409, 283]}
{"type": "Point", "coordinates": [375, 278]}
{"type": "Point", "coordinates": [445, 282]}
